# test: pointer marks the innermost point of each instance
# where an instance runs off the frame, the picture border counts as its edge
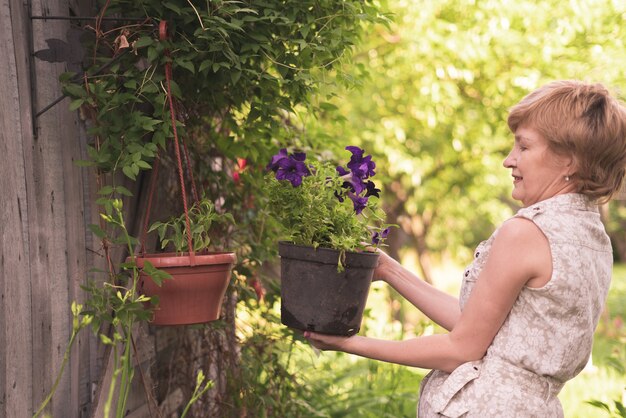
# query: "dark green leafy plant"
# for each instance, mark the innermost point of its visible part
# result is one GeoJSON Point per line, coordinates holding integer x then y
{"type": "Point", "coordinates": [240, 70]}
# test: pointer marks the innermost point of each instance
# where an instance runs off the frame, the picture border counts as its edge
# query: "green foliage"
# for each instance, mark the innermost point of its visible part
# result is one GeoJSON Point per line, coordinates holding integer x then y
{"type": "Point", "coordinates": [202, 218]}
{"type": "Point", "coordinates": [246, 82]}
{"type": "Point", "coordinates": [239, 70]}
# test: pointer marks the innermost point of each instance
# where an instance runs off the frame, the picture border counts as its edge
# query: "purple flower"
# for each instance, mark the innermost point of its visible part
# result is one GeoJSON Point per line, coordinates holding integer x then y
{"type": "Point", "coordinates": [378, 236]}
{"type": "Point", "coordinates": [299, 156]}
{"type": "Point", "coordinates": [292, 169]}
{"type": "Point", "coordinates": [342, 171]}
{"type": "Point", "coordinates": [356, 151]}
{"type": "Point", "coordinates": [358, 202]}
{"type": "Point", "coordinates": [273, 165]}
{"type": "Point", "coordinates": [371, 189]}
{"type": "Point", "coordinates": [351, 181]}
{"type": "Point", "coordinates": [362, 167]}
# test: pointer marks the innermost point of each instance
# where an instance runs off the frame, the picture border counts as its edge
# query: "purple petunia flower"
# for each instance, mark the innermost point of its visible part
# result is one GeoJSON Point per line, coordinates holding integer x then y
{"type": "Point", "coordinates": [356, 151]}
{"type": "Point", "coordinates": [342, 171]}
{"type": "Point", "coordinates": [378, 236]}
{"type": "Point", "coordinates": [362, 167]}
{"type": "Point", "coordinates": [292, 169]}
{"type": "Point", "coordinates": [359, 202]}
{"type": "Point", "coordinates": [299, 156]}
{"type": "Point", "coordinates": [273, 165]}
{"type": "Point", "coordinates": [371, 189]}
{"type": "Point", "coordinates": [351, 182]}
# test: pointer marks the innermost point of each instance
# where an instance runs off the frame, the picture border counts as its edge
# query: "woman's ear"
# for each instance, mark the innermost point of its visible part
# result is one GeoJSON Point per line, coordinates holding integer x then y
{"type": "Point", "coordinates": [569, 163]}
{"type": "Point", "coordinates": [572, 164]}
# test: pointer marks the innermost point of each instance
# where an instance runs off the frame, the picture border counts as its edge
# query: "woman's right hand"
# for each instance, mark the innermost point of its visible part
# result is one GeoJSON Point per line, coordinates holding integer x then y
{"type": "Point", "coordinates": [384, 266]}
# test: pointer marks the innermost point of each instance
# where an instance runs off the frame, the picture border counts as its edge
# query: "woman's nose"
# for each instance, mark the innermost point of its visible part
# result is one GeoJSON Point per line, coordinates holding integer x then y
{"type": "Point", "coordinates": [509, 161]}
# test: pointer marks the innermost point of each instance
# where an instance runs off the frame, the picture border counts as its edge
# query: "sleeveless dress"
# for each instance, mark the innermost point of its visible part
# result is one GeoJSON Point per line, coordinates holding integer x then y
{"type": "Point", "coordinates": [546, 338]}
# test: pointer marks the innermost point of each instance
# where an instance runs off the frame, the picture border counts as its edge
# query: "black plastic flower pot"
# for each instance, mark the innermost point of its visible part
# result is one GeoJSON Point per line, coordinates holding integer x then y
{"type": "Point", "coordinates": [315, 296]}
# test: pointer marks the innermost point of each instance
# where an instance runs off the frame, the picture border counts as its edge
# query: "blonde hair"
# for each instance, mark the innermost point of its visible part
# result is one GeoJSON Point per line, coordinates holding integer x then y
{"type": "Point", "coordinates": [582, 121]}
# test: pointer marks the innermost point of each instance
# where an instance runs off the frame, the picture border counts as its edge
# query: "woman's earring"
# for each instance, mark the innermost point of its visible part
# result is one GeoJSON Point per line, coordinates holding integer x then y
{"type": "Point", "coordinates": [566, 178]}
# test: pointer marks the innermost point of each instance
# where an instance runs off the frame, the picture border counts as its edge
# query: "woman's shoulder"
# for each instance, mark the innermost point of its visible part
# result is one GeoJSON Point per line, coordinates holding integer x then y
{"type": "Point", "coordinates": [569, 218]}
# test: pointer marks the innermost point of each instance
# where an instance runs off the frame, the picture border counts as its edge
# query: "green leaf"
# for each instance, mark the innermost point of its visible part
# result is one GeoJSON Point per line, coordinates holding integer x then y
{"type": "Point", "coordinates": [304, 30]}
{"type": "Point", "coordinates": [76, 104]}
{"type": "Point", "coordinates": [234, 76]}
{"type": "Point", "coordinates": [204, 65]}
{"type": "Point", "coordinates": [176, 91]}
{"type": "Point", "coordinates": [153, 55]}
{"type": "Point", "coordinates": [144, 165]}
{"type": "Point", "coordinates": [599, 404]}
{"type": "Point", "coordinates": [173, 7]}
{"type": "Point", "coordinates": [158, 276]}
{"type": "Point", "coordinates": [105, 340]}
{"type": "Point", "coordinates": [143, 42]}
{"type": "Point", "coordinates": [74, 90]}
{"type": "Point", "coordinates": [188, 65]}
{"type": "Point", "coordinates": [131, 84]}
{"type": "Point", "coordinates": [106, 190]}
{"type": "Point", "coordinates": [129, 172]}
{"type": "Point", "coordinates": [329, 107]}
{"type": "Point", "coordinates": [123, 191]}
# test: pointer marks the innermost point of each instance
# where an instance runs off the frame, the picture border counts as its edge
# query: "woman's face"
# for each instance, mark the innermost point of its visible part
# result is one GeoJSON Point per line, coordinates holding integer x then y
{"type": "Point", "coordinates": [538, 173]}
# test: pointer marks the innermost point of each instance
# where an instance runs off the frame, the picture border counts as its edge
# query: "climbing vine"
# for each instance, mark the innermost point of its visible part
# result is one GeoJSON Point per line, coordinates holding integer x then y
{"type": "Point", "coordinates": [241, 70]}
{"type": "Point", "coordinates": [243, 74]}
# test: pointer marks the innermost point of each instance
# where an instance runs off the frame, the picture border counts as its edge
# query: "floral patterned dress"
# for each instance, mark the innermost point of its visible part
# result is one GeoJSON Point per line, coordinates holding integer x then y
{"type": "Point", "coordinates": [547, 337]}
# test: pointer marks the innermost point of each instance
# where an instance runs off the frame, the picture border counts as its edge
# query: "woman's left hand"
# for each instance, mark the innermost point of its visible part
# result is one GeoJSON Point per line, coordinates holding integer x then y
{"type": "Point", "coordinates": [326, 342]}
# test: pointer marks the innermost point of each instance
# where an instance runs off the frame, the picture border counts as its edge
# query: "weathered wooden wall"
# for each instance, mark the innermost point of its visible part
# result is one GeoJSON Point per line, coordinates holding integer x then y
{"type": "Point", "coordinates": [16, 368]}
{"type": "Point", "coordinates": [46, 251]}
{"type": "Point", "coordinates": [43, 220]}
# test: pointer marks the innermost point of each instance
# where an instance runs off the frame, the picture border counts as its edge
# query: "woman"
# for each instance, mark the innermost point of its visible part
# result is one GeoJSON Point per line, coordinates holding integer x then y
{"type": "Point", "coordinates": [531, 299]}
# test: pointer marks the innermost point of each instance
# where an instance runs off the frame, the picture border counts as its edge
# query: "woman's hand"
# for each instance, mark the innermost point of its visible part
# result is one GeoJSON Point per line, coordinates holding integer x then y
{"type": "Point", "coordinates": [326, 342]}
{"type": "Point", "coordinates": [384, 266]}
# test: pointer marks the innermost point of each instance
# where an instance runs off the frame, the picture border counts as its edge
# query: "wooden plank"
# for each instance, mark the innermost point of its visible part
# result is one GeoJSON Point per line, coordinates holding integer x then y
{"type": "Point", "coordinates": [15, 315]}
{"type": "Point", "coordinates": [48, 206]}
{"type": "Point", "coordinates": [82, 371]}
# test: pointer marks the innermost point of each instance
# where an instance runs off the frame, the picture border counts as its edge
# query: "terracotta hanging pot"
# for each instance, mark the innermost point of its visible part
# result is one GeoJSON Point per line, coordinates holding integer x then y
{"type": "Point", "coordinates": [316, 296]}
{"type": "Point", "coordinates": [195, 292]}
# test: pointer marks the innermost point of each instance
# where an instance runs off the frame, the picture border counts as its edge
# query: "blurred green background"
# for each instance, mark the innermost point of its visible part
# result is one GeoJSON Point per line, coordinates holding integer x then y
{"type": "Point", "coordinates": [427, 95]}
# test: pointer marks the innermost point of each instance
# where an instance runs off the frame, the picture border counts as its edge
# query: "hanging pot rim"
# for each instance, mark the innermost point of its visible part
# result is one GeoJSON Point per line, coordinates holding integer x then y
{"type": "Point", "coordinates": [185, 259]}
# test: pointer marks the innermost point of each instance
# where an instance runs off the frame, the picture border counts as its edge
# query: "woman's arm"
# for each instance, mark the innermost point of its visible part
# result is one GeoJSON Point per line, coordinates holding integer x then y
{"type": "Point", "coordinates": [520, 253]}
{"type": "Point", "coordinates": [439, 306]}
